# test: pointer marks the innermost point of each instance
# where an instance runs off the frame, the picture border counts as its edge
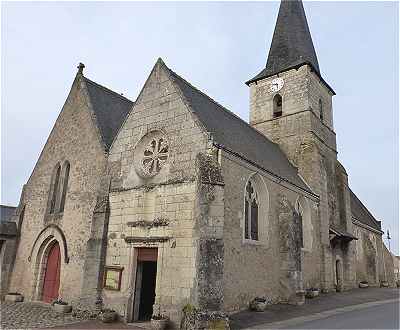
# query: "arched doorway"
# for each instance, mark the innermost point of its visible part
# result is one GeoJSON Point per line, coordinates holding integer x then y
{"type": "Point", "coordinates": [51, 281]}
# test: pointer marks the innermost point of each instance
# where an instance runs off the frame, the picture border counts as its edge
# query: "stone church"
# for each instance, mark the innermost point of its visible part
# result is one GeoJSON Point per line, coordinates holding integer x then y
{"type": "Point", "coordinates": [172, 200]}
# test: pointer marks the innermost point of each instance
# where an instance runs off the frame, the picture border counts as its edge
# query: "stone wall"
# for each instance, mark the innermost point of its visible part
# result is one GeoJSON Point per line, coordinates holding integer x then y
{"type": "Point", "coordinates": [369, 266]}
{"type": "Point", "coordinates": [74, 138]}
{"type": "Point", "coordinates": [374, 263]}
{"type": "Point", "coordinates": [389, 267]}
{"type": "Point", "coordinates": [302, 91]}
{"type": "Point", "coordinates": [253, 268]}
{"type": "Point", "coordinates": [159, 209]}
{"type": "Point", "coordinates": [310, 144]}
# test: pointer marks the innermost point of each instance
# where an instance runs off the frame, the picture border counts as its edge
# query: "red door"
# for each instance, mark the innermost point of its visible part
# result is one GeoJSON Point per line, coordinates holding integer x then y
{"type": "Point", "coordinates": [51, 281]}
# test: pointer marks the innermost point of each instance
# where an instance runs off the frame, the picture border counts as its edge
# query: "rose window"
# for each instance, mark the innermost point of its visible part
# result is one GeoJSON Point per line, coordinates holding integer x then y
{"type": "Point", "coordinates": [155, 156]}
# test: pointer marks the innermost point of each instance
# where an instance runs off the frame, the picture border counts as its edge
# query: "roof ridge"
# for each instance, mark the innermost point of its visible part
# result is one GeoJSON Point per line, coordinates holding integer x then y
{"type": "Point", "coordinates": [222, 107]}
{"type": "Point", "coordinates": [364, 207]}
{"type": "Point", "coordinates": [209, 97]}
{"type": "Point", "coordinates": [108, 90]}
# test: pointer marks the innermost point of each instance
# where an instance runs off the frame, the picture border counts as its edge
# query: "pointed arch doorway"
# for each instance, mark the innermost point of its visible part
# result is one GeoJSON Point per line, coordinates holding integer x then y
{"type": "Point", "coordinates": [51, 281]}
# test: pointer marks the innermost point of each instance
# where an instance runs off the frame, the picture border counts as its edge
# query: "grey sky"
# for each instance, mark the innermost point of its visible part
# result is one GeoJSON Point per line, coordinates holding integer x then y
{"type": "Point", "coordinates": [217, 47]}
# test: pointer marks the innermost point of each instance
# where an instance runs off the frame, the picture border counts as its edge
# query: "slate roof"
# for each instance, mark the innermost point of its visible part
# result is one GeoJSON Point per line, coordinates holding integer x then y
{"type": "Point", "coordinates": [361, 213]}
{"type": "Point", "coordinates": [110, 109]}
{"type": "Point", "coordinates": [6, 212]}
{"type": "Point", "coordinates": [8, 229]}
{"type": "Point", "coordinates": [341, 234]}
{"type": "Point", "coordinates": [291, 45]}
{"type": "Point", "coordinates": [238, 136]}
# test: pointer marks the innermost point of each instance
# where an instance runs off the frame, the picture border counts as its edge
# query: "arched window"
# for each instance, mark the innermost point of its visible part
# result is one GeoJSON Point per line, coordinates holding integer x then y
{"type": "Point", "coordinates": [65, 186]}
{"type": "Point", "coordinates": [251, 213]}
{"type": "Point", "coordinates": [277, 106]}
{"type": "Point", "coordinates": [304, 212]}
{"type": "Point", "coordinates": [321, 113]}
{"type": "Point", "coordinates": [300, 212]}
{"type": "Point", "coordinates": [55, 188]}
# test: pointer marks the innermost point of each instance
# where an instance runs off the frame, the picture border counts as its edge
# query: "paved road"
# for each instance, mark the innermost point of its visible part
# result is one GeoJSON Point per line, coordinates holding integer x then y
{"type": "Point", "coordinates": [385, 316]}
{"type": "Point", "coordinates": [326, 305]}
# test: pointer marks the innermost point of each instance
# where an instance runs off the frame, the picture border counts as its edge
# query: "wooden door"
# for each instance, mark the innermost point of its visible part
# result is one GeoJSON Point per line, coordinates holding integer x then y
{"type": "Point", "coordinates": [51, 282]}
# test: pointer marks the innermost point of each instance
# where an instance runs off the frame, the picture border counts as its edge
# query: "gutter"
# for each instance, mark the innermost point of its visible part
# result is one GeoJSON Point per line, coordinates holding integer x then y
{"type": "Point", "coordinates": [363, 225]}
{"type": "Point", "coordinates": [278, 177]}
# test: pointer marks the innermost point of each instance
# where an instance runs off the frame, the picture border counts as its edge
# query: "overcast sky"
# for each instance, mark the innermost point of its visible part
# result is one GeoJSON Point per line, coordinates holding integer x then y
{"type": "Point", "coordinates": [217, 47]}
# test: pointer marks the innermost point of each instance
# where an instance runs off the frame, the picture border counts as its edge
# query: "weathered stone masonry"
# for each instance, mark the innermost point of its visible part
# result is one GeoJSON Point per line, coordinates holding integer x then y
{"type": "Point", "coordinates": [219, 211]}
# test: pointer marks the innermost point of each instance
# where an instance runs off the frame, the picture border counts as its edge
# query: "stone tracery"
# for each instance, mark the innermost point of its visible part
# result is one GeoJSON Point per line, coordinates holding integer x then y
{"type": "Point", "coordinates": [154, 156]}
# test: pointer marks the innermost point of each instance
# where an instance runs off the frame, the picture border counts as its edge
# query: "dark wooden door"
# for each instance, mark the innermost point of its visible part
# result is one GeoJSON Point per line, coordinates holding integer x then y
{"type": "Point", "coordinates": [51, 282]}
{"type": "Point", "coordinates": [148, 289]}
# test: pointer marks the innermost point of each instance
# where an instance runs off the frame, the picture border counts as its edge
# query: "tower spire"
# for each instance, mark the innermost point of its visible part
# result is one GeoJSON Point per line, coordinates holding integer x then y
{"type": "Point", "coordinates": [291, 45]}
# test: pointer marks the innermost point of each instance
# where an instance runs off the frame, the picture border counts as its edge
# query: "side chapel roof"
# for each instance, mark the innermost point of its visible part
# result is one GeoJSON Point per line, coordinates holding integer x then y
{"type": "Point", "coordinates": [110, 109]}
{"type": "Point", "coordinates": [361, 213]}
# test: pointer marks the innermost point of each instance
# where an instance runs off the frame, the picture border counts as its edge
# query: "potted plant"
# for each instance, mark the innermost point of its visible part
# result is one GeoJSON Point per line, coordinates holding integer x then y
{"type": "Point", "coordinates": [14, 297]}
{"type": "Point", "coordinates": [398, 283]}
{"type": "Point", "coordinates": [312, 293]}
{"type": "Point", "coordinates": [108, 315]}
{"type": "Point", "coordinates": [384, 284]}
{"type": "Point", "coordinates": [159, 322]}
{"type": "Point", "coordinates": [61, 306]}
{"type": "Point", "coordinates": [258, 304]}
{"type": "Point", "coordinates": [363, 284]}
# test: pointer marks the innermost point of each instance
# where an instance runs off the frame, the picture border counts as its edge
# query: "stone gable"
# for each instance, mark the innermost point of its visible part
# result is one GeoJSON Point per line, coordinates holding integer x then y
{"type": "Point", "coordinates": [74, 138]}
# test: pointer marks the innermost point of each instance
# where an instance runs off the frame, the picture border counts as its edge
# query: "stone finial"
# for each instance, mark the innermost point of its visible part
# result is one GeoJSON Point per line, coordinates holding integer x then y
{"type": "Point", "coordinates": [80, 67]}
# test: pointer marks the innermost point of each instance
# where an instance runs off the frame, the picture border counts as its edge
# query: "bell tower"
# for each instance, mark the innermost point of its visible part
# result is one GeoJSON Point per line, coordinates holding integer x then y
{"type": "Point", "coordinates": [291, 81]}
{"type": "Point", "coordinates": [291, 104]}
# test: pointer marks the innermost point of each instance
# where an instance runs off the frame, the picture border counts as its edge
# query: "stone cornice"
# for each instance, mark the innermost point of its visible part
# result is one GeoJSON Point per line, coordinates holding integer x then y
{"type": "Point", "coordinates": [363, 225]}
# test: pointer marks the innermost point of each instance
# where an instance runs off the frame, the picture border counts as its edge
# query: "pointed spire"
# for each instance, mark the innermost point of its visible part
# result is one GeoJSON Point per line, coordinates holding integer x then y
{"type": "Point", "coordinates": [291, 45]}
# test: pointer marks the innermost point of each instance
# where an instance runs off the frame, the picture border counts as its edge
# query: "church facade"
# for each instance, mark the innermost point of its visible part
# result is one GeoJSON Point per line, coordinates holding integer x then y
{"type": "Point", "coordinates": [146, 207]}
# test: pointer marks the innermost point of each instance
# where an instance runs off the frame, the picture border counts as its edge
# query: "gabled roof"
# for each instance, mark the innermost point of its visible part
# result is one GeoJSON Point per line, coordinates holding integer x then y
{"type": "Point", "coordinates": [6, 212]}
{"type": "Point", "coordinates": [361, 213]}
{"type": "Point", "coordinates": [110, 109]}
{"type": "Point", "coordinates": [235, 134]}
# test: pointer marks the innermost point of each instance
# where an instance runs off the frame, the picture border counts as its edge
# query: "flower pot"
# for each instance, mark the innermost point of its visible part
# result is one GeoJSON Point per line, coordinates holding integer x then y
{"type": "Point", "coordinates": [363, 285]}
{"type": "Point", "coordinates": [61, 308]}
{"type": "Point", "coordinates": [258, 306]}
{"type": "Point", "coordinates": [384, 284]}
{"type": "Point", "coordinates": [159, 324]}
{"type": "Point", "coordinates": [108, 317]}
{"type": "Point", "coordinates": [312, 293]}
{"type": "Point", "coordinates": [14, 297]}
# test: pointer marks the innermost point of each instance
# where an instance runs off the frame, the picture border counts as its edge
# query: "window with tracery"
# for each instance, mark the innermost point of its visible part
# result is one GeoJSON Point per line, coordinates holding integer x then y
{"type": "Point", "coordinates": [155, 156]}
{"type": "Point", "coordinates": [300, 213]}
{"type": "Point", "coordinates": [251, 207]}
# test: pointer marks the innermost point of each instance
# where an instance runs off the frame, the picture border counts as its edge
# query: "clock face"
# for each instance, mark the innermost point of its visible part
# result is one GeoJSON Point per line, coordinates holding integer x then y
{"type": "Point", "coordinates": [276, 84]}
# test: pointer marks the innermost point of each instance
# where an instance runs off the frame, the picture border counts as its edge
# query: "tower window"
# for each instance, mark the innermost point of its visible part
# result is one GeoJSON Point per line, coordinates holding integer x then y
{"type": "Point", "coordinates": [277, 106]}
{"type": "Point", "coordinates": [321, 113]}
